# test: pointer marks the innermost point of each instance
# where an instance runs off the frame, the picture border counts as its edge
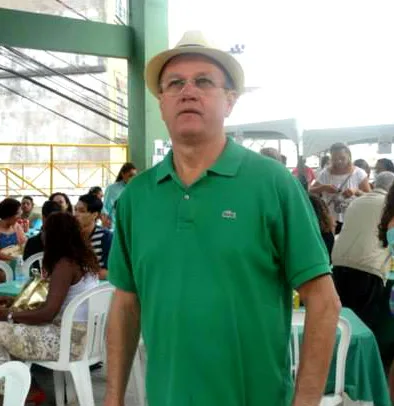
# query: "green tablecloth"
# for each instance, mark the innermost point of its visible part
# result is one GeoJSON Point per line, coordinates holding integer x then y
{"type": "Point", "coordinates": [365, 378]}
{"type": "Point", "coordinates": [10, 288]}
{"type": "Point", "coordinates": [384, 327]}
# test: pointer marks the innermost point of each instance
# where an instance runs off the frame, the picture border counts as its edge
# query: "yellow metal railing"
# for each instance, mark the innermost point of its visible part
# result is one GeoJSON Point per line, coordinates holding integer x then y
{"type": "Point", "coordinates": [47, 174]}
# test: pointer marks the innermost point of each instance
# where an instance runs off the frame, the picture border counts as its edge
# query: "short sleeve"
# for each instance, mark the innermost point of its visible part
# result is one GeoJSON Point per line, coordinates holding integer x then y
{"type": "Point", "coordinates": [322, 177]}
{"type": "Point", "coordinates": [360, 175]}
{"type": "Point", "coordinates": [302, 251]}
{"type": "Point", "coordinates": [120, 272]}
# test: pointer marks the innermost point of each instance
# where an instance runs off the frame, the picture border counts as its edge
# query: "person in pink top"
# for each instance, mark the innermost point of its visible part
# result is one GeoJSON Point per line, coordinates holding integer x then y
{"type": "Point", "coordinates": [303, 170]}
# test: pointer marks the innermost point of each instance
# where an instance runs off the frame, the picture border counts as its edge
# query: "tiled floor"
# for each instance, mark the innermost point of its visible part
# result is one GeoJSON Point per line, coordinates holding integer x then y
{"type": "Point", "coordinates": [44, 378]}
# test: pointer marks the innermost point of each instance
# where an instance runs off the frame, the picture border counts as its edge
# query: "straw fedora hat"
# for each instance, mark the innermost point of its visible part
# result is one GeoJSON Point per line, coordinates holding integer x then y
{"type": "Point", "coordinates": [193, 42]}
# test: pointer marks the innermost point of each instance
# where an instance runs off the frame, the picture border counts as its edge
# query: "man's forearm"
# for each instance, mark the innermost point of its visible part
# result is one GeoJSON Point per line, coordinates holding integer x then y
{"type": "Point", "coordinates": [122, 342]}
{"type": "Point", "coordinates": [316, 353]}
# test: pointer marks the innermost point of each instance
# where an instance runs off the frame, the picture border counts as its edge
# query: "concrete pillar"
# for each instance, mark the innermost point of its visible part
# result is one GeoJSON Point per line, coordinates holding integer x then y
{"type": "Point", "coordinates": [149, 22]}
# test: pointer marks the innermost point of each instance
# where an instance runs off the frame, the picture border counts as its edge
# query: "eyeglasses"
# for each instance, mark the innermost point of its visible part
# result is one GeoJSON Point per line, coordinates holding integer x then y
{"type": "Point", "coordinates": [174, 87]}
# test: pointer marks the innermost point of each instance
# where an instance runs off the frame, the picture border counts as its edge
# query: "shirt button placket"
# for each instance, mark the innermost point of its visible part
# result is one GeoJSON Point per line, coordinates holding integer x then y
{"type": "Point", "coordinates": [185, 214]}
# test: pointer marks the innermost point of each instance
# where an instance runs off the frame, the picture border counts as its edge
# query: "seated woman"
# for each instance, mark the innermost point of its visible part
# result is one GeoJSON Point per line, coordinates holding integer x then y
{"type": "Point", "coordinates": [326, 222]}
{"type": "Point", "coordinates": [11, 233]}
{"type": "Point", "coordinates": [62, 200]}
{"type": "Point", "coordinates": [72, 267]}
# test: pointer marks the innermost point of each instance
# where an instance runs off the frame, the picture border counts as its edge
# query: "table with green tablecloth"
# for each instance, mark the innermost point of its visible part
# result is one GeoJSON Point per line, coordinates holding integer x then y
{"type": "Point", "coordinates": [365, 378]}
{"type": "Point", "coordinates": [384, 326]}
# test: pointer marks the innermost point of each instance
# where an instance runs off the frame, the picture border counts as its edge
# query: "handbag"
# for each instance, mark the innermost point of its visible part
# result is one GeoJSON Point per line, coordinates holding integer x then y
{"type": "Point", "coordinates": [33, 295]}
{"type": "Point", "coordinates": [340, 204]}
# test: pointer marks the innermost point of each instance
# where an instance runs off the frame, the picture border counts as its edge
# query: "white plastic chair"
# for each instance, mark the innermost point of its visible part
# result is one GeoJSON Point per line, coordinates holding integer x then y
{"type": "Point", "coordinates": [9, 274]}
{"type": "Point", "coordinates": [98, 300]}
{"type": "Point", "coordinates": [17, 382]}
{"type": "Point", "coordinates": [27, 263]}
{"type": "Point", "coordinates": [298, 321]}
{"type": "Point", "coordinates": [138, 373]}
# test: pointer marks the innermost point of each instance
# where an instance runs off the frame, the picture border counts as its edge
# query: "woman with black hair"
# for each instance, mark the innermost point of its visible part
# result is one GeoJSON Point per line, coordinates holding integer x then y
{"type": "Point", "coordinates": [11, 233]}
{"type": "Point", "coordinates": [96, 191]}
{"type": "Point", "coordinates": [326, 222]}
{"type": "Point", "coordinates": [62, 200]}
{"type": "Point", "coordinates": [340, 183]}
{"type": "Point", "coordinates": [72, 268]}
{"type": "Point", "coordinates": [112, 193]}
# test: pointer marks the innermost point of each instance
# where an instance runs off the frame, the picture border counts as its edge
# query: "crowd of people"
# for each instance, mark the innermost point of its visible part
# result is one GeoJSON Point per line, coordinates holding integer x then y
{"type": "Point", "coordinates": [208, 247]}
{"type": "Point", "coordinates": [356, 220]}
{"type": "Point", "coordinates": [75, 246]}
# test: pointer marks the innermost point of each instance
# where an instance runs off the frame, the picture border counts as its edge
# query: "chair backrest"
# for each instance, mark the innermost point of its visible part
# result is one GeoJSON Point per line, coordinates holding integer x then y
{"type": "Point", "coordinates": [17, 382]}
{"type": "Point", "coordinates": [9, 274]}
{"type": "Point", "coordinates": [98, 299]}
{"type": "Point", "coordinates": [298, 322]}
{"type": "Point", "coordinates": [29, 262]}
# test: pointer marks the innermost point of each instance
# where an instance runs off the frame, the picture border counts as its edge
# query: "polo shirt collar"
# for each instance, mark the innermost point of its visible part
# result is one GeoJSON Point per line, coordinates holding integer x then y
{"type": "Point", "coordinates": [165, 169]}
{"type": "Point", "coordinates": [229, 160]}
{"type": "Point", "coordinates": [227, 163]}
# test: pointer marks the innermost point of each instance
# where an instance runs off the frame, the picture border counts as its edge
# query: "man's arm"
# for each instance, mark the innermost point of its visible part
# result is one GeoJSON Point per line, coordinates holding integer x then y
{"type": "Point", "coordinates": [322, 310]}
{"type": "Point", "coordinates": [122, 342]}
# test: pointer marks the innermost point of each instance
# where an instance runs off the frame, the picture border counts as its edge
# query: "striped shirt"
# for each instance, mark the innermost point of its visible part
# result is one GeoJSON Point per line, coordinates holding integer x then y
{"type": "Point", "coordinates": [101, 239]}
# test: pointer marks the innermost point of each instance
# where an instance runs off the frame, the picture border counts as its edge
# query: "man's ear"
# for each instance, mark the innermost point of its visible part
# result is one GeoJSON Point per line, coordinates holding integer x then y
{"type": "Point", "coordinates": [161, 101]}
{"type": "Point", "coordinates": [232, 98]}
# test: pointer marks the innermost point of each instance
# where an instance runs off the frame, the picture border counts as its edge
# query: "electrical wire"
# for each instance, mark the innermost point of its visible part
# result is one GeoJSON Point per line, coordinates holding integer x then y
{"type": "Point", "coordinates": [94, 110]}
{"type": "Point", "coordinates": [118, 20]}
{"type": "Point", "coordinates": [72, 9]}
{"type": "Point", "coordinates": [34, 61]}
{"type": "Point", "coordinates": [59, 114]}
{"type": "Point", "coordinates": [105, 108]}
{"type": "Point", "coordinates": [85, 72]}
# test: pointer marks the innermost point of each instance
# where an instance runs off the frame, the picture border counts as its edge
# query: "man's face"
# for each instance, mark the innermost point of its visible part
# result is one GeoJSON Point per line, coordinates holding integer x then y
{"type": "Point", "coordinates": [85, 218]}
{"type": "Point", "coordinates": [194, 110]}
{"type": "Point", "coordinates": [27, 206]}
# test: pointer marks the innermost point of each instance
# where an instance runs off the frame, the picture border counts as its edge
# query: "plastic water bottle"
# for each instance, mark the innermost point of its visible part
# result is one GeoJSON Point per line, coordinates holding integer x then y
{"type": "Point", "coordinates": [19, 274]}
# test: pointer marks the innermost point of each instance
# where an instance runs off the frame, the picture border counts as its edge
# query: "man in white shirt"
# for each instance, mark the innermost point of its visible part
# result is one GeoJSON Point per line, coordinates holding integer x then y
{"type": "Point", "coordinates": [360, 262]}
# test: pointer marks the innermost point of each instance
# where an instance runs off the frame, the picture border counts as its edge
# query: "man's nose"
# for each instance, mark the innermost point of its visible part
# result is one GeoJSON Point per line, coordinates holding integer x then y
{"type": "Point", "coordinates": [189, 92]}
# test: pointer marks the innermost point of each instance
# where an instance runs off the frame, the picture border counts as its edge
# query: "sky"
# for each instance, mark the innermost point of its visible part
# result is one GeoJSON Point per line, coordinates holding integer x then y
{"type": "Point", "coordinates": [325, 63]}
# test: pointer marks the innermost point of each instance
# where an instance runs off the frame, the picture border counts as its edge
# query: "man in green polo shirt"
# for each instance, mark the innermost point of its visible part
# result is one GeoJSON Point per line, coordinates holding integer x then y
{"type": "Point", "coordinates": [209, 245]}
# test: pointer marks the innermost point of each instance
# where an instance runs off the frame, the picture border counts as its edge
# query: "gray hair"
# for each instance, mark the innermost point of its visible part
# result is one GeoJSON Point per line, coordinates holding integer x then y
{"type": "Point", "coordinates": [384, 180]}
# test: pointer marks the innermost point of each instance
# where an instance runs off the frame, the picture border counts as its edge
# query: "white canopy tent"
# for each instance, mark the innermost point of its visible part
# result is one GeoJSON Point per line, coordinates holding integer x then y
{"type": "Point", "coordinates": [314, 141]}
{"type": "Point", "coordinates": [266, 130]}
{"type": "Point", "coordinates": [319, 140]}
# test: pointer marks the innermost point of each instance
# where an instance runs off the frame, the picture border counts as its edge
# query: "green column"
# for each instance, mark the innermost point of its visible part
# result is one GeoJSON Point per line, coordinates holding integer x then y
{"type": "Point", "coordinates": [149, 23]}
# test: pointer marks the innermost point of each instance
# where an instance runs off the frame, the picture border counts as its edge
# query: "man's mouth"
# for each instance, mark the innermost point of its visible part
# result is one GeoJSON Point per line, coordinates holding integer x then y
{"type": "Point", "coordinates": [189, 111]}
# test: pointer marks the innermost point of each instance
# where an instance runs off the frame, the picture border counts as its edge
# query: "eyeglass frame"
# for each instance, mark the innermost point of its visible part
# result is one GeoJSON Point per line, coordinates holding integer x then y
{"type": "Point", "coordinates": [227, 85]}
